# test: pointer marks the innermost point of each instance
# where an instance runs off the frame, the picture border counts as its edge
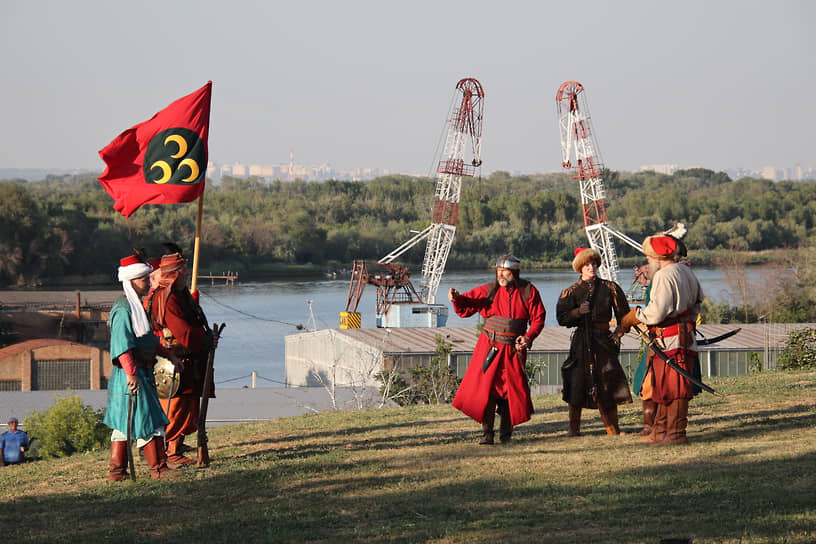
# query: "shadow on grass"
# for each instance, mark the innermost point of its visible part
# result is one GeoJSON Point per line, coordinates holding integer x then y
{"type": "Point", "coordinates": [367, 429]}
{"type": "Point", "coordinates": [711, 501]}
{"type": "Point", "coordinates": [427, 480]}
{"type": "Point", "coordinates": [360, 438]}
{"type": "Point", "coordinates": [750, 424]}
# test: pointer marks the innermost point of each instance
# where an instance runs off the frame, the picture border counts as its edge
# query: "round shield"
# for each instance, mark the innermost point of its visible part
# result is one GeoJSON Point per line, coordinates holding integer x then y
{"type": "Point", "coordinates": [167, 378]}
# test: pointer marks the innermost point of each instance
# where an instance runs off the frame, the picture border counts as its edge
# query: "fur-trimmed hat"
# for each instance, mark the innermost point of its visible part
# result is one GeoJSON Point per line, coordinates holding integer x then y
{"type": "Point", "coordinates": [582, 256]}
{"type": "Point", "coordinates": [660, 247]}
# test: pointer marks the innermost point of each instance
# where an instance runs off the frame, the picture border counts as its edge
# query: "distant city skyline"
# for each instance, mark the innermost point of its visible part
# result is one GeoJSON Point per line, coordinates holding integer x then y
{"type": "Point", "coordinates": [325, 171]}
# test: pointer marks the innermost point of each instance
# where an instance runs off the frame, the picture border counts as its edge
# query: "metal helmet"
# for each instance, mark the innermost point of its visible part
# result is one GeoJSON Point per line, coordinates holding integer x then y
{"type": "Point", "coordinates": [508, 261]}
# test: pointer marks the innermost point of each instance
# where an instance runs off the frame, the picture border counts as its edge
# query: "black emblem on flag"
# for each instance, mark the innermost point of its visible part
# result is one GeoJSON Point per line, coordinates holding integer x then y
{"type": "Point", "coordinates": [175, 156]}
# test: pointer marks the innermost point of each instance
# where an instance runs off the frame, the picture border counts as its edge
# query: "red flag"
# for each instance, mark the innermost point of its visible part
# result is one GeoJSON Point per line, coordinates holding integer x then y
{"type": "Point", "coordinates": [164, 159]}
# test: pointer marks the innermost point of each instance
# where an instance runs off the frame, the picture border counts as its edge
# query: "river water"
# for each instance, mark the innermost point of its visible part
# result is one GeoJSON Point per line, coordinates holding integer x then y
{"type": "Point", "coordinates": [259, 315]}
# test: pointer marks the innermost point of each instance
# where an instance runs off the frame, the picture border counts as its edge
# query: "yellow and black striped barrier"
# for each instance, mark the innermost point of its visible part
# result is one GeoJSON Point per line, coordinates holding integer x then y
{"type": "Point", "coordinates": [350, 320]}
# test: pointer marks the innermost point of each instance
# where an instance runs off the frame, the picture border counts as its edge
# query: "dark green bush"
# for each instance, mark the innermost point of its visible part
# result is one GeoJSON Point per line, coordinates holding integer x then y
{"type": "Point", "coordinates": [800, 351]}
{"type": "Point", "coordinates": [66, 428]}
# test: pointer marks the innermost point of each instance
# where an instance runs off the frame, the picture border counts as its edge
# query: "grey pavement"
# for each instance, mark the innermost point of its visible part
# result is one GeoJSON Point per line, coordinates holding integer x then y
{"type": "Point", "coordinates": [230, 406]}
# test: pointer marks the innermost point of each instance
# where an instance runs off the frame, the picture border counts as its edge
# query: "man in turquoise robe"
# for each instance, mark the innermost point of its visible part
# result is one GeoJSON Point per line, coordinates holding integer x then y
{"type": "Point", "coordinates": [133, 352]}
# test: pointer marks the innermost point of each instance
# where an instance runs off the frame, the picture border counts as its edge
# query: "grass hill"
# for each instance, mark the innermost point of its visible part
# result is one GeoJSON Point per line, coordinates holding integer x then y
{"type": "Point", "coordinates": [418, 475]}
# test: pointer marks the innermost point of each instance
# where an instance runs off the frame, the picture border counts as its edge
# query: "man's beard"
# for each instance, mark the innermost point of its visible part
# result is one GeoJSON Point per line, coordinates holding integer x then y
{"type": "Point", "coordinates": [654, 266]}
{"type": "Point", "coordinates": [504, 282]}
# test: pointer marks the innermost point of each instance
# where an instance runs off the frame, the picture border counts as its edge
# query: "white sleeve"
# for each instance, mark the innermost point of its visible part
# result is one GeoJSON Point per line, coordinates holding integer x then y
{"type": "Point", "coordinates": [662, 301]}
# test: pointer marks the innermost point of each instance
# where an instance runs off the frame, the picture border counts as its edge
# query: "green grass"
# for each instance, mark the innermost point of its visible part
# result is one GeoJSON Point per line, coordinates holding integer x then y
{"type": "Point", "coordinates": [418, 475]}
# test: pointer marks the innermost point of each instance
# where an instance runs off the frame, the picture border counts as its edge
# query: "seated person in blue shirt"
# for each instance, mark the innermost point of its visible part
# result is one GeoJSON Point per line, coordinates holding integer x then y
{"type": "Point", "coordinates": [13, 443]}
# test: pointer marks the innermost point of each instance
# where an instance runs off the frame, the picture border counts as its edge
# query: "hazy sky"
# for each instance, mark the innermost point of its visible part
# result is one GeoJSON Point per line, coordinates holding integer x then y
{"type": "Point", "coordinates": [718, 84]}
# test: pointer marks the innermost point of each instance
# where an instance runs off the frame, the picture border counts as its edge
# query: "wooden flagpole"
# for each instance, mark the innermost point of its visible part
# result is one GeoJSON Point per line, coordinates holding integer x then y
{"type": "Point", "coordinates": [203, 451]}
{"type": "Point", "coordinates": [197, 245]}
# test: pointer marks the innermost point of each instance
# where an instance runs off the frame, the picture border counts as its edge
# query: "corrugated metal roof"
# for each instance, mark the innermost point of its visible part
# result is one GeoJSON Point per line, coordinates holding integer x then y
{"type": "Point", "coordinates": [20, 347]}
{"type": "Point", "coordinates": [753, 336]}
{"type": "Point", "coordinates": [415, 340]}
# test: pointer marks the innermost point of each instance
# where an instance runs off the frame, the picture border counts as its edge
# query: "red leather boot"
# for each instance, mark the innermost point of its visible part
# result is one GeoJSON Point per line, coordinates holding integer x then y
{"type": "Point", "coordinates": [175, 457]}
{"type": "Point", "coordinates": [649, 409]}
{"type": "Point", "coordinates": [118, 462]}
{"type": "Point", "coordinates": [155, 457]}
{"type": "Point", "coordinates": [677, 422]}
{"type": "Point", "coordinates": [658, 433]}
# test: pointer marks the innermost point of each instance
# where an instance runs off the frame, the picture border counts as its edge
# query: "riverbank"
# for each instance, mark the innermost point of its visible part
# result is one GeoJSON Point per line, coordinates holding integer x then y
{"type": "Point", "coordinates": [275, 271]}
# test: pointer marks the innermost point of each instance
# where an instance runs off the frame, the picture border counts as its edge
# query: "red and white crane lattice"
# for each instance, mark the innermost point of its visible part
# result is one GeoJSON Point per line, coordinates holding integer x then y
{"type": "Point", "coordinates": [465, 126]}
{"type": "Point", "coordinates": [580, 154]}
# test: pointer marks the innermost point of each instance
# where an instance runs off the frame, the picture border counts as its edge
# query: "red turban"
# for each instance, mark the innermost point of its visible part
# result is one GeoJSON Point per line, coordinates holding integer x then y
{"type": "Point", "coordinates": [171, 263]}
{"type": "Point", "coordinates": [660, 247]}
{"type": "Point", "coordinates": [171, 267]}
{"type": "Point", "coordinates": [129, 260]}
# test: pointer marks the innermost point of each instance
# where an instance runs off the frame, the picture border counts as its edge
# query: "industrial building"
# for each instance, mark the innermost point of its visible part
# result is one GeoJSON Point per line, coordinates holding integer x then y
{"type": "Point", "coordinates": [64, 340]}
{"type": "Point", "coordinates": [355, 356]}
{"type": "Point", "coordinates": [47, 364]}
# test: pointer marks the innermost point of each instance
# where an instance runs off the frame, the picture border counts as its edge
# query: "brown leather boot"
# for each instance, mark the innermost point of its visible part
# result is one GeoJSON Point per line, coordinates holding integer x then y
{"type": "Point", "coordinates": [677, 422]}
{"type": "Point", "coordinates": [609, 416]}
{"type": "Point", "coordinates": [488, 419]}
{"type": "Point", "coordinates": [154, 455]}
{"type": "Point", "coordinates": [505, 427]}
{"type": "Point", "coordinates": [649, 409]}
{"type": "Point", "coordinates": [118, 462]}
{"type": "Point", "coordinates": [175, 457]}
{"type": "Point", "coordinates": [574, 421]}
{"type": "Point", "coordinates": [658, 433]}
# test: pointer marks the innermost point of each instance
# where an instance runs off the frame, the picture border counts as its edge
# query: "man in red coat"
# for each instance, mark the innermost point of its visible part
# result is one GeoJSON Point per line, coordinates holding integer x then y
{"type": "Point", "coordinates": [181, 325]}
{"type": "Point", "coordinates": [496, 377]}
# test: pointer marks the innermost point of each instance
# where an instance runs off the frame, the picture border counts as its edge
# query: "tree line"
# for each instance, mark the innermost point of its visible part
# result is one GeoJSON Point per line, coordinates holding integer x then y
{"type": "Point", "coordinates": [65, 226]}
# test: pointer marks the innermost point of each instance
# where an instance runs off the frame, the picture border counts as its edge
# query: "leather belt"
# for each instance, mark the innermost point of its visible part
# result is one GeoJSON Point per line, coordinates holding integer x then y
{"type": "Point", "coordinates": [504, 330]}
{"type": "Point", "coordinates": [506, 338]}
{"type": "Point", "coordinates": [671, 325]}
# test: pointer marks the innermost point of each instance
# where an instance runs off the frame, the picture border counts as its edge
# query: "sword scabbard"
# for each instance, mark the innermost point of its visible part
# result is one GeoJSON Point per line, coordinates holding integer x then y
{"type": "Point", "coordinates": [131, 412]}
{"type": "Point", "coordinates": [652, 343]}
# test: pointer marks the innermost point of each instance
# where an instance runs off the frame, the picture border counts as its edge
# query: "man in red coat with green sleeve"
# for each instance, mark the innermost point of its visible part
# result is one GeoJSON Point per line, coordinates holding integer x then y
{"type": "Point", "coordinates": [496, 377]}
{"type": "Point", "coordinates": [180, 323]}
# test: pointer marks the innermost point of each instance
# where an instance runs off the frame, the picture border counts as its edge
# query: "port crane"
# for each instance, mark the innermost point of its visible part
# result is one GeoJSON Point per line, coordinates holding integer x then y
{"type": "Point", "coordinates": [580, 154]}
{"type": "Point", "coordinates": [398, 302]}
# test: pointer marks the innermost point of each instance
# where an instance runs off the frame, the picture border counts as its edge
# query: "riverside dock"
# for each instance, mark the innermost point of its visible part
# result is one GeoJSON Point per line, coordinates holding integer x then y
{"type": "Point", "coordinates": [229, 277]}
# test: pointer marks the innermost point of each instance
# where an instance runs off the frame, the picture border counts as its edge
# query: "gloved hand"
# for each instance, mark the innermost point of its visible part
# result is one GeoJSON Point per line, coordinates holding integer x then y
{"type": "Point", "coordinates": [629, 320]}
{"type": "Point", "coordinates": [616, 335]}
